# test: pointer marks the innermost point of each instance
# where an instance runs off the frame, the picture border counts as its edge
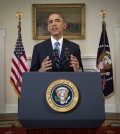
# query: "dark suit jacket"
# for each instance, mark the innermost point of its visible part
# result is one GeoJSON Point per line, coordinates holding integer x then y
{"type": "Point", "coordinates": [44, 49]}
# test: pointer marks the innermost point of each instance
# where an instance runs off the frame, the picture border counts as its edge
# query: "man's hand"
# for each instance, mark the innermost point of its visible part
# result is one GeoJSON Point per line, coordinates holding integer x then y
{"type": "Point", "coordinates": [74, 63]}
{"type": "Point", "coordinates": [46, 65]}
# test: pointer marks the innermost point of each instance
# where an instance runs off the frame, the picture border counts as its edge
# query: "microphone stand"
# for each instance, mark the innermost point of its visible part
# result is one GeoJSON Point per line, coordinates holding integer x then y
{"type": "Point", "coordinates": [60, 64]}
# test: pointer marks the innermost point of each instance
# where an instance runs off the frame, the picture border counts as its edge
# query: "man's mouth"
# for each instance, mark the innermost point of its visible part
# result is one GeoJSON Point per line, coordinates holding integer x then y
{"type": "Point", "coordinates": [54, 29]}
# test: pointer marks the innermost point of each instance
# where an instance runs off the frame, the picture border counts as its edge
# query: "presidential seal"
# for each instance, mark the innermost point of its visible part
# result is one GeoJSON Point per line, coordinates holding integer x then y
{"type": "Point", "coordinates": [62, 95]}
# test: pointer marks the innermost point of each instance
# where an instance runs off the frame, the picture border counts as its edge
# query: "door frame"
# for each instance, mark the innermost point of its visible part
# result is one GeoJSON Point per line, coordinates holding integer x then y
{"type": "Point", "coordinates": [117, 67]}
{"type": "Point", "coordinates": [2, 71]}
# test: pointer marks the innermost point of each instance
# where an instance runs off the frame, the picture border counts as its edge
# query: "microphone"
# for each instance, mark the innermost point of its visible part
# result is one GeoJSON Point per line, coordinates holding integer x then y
{"type": "Point", "coordinates": [57, 63]}
{"type": "Point", "coordinates": [65, 63]}
{"type": "Point", "coordinates": [67, 55]}
{"type": "Point", "coordinates": [55, 55]}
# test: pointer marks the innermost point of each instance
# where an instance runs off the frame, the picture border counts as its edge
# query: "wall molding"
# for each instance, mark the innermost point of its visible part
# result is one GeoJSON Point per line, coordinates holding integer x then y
{"type": "Point", "coordinates": [110, 108]}
{"type": "Point", "coordinates": [89, 63]}
{"type": "Point", "coordinates": [11, 108]}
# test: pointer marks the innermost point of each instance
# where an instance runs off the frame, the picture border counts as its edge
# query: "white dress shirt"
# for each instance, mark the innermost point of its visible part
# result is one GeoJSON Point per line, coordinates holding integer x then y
{"type": "Point", "coordinates": [54, 41]}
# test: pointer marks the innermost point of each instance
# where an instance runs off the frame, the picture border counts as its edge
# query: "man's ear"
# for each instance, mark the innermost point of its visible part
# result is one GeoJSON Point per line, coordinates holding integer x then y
{"type": "Point", "coordinates": [65, 25]}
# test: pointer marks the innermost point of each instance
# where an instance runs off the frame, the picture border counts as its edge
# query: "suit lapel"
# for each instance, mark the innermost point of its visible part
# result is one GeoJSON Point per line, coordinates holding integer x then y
{"type": "Point", "coordinates": [49, 48]}
{"type": "Point", "coordinates": [64, 46]}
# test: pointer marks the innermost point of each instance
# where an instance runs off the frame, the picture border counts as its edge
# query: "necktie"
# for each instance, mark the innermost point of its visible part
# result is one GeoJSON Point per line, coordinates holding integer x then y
{"type": "Point", "coordinates": [57, 63]}
{"type": "Point", "coordinates": [57, 44]}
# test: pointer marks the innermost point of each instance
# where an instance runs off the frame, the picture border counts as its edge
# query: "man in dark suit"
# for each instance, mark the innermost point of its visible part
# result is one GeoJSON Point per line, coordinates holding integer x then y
{"type": "Point", "coordinates": [43, 59]}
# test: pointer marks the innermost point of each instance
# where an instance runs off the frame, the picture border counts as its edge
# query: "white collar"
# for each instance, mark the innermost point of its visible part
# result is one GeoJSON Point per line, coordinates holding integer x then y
{"type": "Point", "coordinates": [54, 41]}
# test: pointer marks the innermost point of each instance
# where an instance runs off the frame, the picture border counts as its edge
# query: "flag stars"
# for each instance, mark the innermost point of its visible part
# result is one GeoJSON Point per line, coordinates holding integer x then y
{"type": "Point", "coordinates": [103, 46]}
{"type": "Point", "coordinates": [19, 50]}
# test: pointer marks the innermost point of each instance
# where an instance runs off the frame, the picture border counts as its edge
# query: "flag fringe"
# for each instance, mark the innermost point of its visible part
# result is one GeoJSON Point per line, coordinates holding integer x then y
{"type": "Point", "coordinates": [18, 94]}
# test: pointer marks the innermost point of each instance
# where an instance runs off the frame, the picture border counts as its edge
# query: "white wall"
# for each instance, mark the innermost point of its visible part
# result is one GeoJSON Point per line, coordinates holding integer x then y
{"type": "Point", "coordinates": [89, 46]}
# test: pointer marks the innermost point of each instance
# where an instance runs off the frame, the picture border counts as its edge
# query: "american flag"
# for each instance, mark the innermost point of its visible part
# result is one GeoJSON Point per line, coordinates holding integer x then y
{"type": "Point", "coordinates": [19, 64]}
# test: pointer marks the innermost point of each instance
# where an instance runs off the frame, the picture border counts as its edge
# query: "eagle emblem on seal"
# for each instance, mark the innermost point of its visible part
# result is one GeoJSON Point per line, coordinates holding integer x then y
{"type": "Point", "coordinates": [62, 95]}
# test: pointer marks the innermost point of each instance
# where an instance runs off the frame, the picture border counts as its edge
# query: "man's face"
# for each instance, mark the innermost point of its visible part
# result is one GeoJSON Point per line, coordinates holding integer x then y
{"type": "Point", "coordinates": [56, 25]}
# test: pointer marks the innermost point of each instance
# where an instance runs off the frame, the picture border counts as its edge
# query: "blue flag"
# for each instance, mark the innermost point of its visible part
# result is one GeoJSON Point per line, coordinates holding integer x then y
{"type": "Point", "coordinates": [104, 62]}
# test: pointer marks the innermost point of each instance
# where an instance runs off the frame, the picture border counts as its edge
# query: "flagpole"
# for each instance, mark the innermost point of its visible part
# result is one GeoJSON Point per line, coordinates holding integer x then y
{"type": "Point", "coordinates": [19, 16]}
{"type": "Point", "coordinates": [103, 15]}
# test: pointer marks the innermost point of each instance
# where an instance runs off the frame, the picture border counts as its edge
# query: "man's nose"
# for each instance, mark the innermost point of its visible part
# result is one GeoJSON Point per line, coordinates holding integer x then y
{"type": "Point", "coordinates": [54, 23]}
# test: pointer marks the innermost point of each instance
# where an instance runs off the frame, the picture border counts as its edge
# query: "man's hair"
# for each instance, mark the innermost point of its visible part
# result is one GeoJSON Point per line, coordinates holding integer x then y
{"type": "Point", "coordinates": [59, 15]}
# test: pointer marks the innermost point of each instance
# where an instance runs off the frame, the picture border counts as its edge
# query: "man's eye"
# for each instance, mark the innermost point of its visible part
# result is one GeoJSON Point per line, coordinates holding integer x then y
{"type": "Point", "coordinates": [57, 20]}
{"type": "Point", "coordinates": [50, 22]}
